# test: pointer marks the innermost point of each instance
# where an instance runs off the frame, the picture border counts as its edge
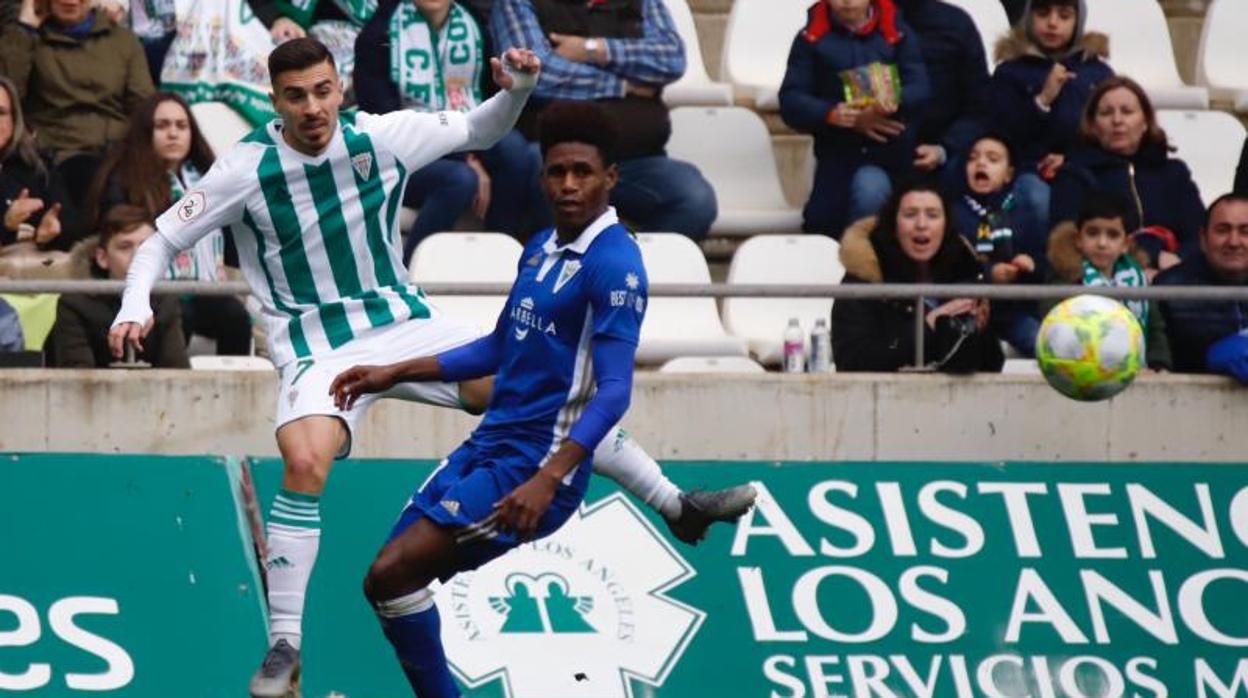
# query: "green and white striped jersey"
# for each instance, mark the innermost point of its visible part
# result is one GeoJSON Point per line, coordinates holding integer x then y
{"type": "Point", "coordinates": [318, 237]}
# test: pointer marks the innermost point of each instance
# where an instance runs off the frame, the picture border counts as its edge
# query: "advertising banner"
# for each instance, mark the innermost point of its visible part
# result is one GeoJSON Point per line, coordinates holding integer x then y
{"type": "Point", "coordinates": [125, 576]}
{"type": "Point", "coordinates": [955, 580]}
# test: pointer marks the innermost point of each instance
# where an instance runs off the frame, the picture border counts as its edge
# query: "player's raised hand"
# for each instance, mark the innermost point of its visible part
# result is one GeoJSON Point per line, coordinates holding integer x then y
{"type": "Point", "coordinates": [522, 509]}
{"type": "Point", "coordinates": [128, 333]}
{"type": "Point", "coordinates": [360, 380]}
{"type": "Point", "coordinates": [515, 61]}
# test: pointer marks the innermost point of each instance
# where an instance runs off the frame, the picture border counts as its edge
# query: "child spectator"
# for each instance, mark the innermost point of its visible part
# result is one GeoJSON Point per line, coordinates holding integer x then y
{"type": "Point", "coordinates": [1048, 68]}
{"type": "Point", "coordinates": [1096, 250]}
{"type": "Point", "coordinates": [855, 81]}
{"type": "Point", "coordinates": [79, 338]}
{"type": "Point", "coordinates": [32, 194]}
{"type": "Point", "coordinates": [1008, 243]}
{"type": "Point", "coordinates": [162, 155]}
{"type": "Point", "coordinates": [911, 242]}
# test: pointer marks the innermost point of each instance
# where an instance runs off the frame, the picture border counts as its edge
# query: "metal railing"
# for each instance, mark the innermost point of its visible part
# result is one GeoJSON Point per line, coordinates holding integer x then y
{"type": "Point", "coordinates": [917, 292]}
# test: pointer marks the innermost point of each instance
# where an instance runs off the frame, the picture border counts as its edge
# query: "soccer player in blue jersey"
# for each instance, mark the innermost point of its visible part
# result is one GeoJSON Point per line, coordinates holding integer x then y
{"type": "Point", "coordinates": [563, 352]}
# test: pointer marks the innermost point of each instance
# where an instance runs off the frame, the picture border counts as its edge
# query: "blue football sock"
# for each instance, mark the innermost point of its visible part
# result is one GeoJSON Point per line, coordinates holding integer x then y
{"type": "Point", "coordinates": [412, 625]}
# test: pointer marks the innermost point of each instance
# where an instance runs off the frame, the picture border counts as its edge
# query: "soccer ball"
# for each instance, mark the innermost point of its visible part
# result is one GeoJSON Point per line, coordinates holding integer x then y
{"type": "Point", "coordinates": [1090, 347]}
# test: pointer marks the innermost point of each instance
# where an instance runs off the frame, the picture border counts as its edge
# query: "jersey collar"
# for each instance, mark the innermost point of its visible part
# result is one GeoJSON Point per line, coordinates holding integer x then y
{"type": "Point", "coordinates": [275, 132]}
{"type": "Point", "coordinates": [582, 242]}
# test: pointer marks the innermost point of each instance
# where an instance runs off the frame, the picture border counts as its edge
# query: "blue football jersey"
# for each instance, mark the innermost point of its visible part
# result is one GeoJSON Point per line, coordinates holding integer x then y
{"type": "Point", "coordinates": [563, 298]}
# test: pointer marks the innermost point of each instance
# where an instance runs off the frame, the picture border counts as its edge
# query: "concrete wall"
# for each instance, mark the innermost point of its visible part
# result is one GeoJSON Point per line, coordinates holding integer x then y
{"type": "Point", "coordinates": [768, 417]}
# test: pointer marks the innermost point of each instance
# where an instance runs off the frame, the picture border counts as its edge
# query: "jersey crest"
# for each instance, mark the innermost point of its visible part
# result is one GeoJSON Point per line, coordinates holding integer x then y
{"type": "Point", "coordinates": [566, 272]}
{"type": "Point", "coordinates": [363, 164]}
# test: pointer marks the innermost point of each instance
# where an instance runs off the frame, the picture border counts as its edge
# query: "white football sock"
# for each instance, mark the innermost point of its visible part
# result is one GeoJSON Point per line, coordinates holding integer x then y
{"type": "Point", "coordinates": [622, 459]}
{"type": "Point", "coordinates": [294, 534]}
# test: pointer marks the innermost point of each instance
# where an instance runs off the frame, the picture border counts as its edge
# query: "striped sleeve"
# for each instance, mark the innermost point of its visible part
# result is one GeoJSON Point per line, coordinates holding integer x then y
{"type": "Point", "coordinates": [658, 57]}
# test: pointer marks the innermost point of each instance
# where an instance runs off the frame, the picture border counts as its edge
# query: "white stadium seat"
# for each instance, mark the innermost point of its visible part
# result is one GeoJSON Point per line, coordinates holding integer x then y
{"type": "Point", "coordinates": [468, 258]}
{"type": "Point", "coordinates": [221, 125]}
{"type": "Point", "coordinates": [1223, 53]}
{"type": "Point", "coordinates": [732, 148]}
{"type": "Point", "coordinates": [780, 259]}
{"type": "Point", "coordinates": [1210, 143]}
{"type": "Point", "coordinates": [1021, 367]}
{"type": "Point", "coordinates": [231, 363]}
{"type": "Point", "coordinates": [695, 86]}
{"type": "Point", "coordinates": [1140, 48]}
{"type": "Point", "coordinates": [991, 21]}
{"type": "Point", "coordinates": [712, 364]}
{"type": "Point", "coordinates": [756, 47]}
{"type": "Point", "coordinates": [680, 326]}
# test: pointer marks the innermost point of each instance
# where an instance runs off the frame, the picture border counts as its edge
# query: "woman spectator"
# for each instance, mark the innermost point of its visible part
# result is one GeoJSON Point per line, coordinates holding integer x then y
{"type": "Point", "coordinates": [80, 76]}
{"type": "Point", "coordinates": [911, 242]}
{"type": "Point", "coordinates": [496, 184]}
{"type": "Point", "coordinates": [1048, 68]}
{"type": "Point", "coordinates": [1125, 152]}
{"type": "Point", "coordinates": [33, 195]}
{"type": "Point", "coordinates": [162, 155]}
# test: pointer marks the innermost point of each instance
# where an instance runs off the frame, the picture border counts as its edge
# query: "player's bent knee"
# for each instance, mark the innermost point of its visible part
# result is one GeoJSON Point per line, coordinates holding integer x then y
{"type": "Point", "coordinates": [385, 578]}
{"type": "Point", "coordinates": [306, 473]}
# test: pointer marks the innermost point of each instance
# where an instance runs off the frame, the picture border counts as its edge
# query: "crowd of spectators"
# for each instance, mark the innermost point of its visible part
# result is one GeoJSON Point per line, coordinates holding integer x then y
{"type": "Point", "coordinates": [930, 165]}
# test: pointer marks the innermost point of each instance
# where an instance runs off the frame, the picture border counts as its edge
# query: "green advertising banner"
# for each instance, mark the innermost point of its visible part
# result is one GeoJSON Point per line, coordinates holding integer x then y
{"type": "Point", "coordinates": [126, 576]}
{"type": "Point", "coordinates": [849, 579]}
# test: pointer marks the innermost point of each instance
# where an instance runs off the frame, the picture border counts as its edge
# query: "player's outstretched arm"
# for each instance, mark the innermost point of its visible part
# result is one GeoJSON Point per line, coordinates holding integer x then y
{"type": "Point", "coordinates": [135, 319]}
{"type": "Point", "coordinates": [516, 72]}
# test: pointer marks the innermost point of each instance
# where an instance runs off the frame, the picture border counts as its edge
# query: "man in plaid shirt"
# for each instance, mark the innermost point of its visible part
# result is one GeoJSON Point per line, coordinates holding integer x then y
{"type": "Point", "coordinates": [619, 53]}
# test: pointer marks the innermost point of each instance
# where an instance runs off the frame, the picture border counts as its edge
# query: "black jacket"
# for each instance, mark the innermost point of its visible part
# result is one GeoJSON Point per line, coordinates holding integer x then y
{"type": "Point", "coordinates": [79, 338]}
{"type": "Point", "coordinates": [956, 68]}
{"type": "Point", "coordinates": [1195, 326]}
{"type": "Point", "coordinates": [16, 175]}
{"type": "Point", "coordinates": [1241, 172]}
{"type": "Point", "coordinates": [873, 335]}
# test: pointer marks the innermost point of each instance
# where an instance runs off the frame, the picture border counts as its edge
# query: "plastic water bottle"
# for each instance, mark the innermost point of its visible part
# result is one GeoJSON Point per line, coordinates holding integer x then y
{"type": "Point", "coordinates": [794, 348]}
{"type": "Point", "coordinates": [820, 348]}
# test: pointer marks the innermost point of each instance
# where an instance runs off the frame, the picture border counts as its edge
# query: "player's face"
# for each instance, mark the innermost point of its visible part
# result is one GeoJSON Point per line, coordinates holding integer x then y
{"type": "Point", "coordinates": [988, 166]}
{"type": "Point", "coordinates": [1120, 123]}
{"type": "Point", "coordinates": [850, 11]}
{"type": "Point", "coordinates": [116, 257]}
{"type": "Point", "coordinates": [308, 101]}
{"type": "Point", "coordinates": [577, 183]}
{"type": "Point", "coordinates": [69, 12]}
{"type": "Point", "coordinates": [920, 225]}
{"type": "Point", "coordinates": [1054, 27]}
{"type": "Point", "coordinates": [171, 133]}
{"type": "Point", "coordinates": [1225, 240]}
{"type": "Point", "coordinates": [1102, 241]}
{"type": "Point", "coordinates": [6, 119]}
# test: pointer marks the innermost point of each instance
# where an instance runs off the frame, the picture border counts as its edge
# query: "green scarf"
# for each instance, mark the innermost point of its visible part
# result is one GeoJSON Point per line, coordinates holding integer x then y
{"type": "Point", "coordinates": [436, 72]}
{"type": "Point", "coordinates": [302, 11]}
{"type": "Point", "coordinates": [1126, 273]}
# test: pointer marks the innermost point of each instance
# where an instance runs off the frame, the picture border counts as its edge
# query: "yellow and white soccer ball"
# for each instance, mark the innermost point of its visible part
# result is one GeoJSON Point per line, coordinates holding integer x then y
{"type": "Point", "coordinates": [1090, 347]}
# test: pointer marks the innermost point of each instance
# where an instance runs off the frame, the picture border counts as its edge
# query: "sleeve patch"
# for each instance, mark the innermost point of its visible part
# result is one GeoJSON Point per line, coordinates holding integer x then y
{"type": "Point", "coordinates": [191, 206]}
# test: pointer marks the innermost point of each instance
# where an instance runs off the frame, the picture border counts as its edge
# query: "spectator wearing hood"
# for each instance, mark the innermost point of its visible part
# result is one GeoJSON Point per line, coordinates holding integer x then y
{"type": "Point", "coordinates": [912, 241]}
{"type": "Point", "coordinates": [1124, 151]}
{"type": "Point", "coordinates": [958, 72]}
{"type": "Point", "coordinates": [841, 85]}
{"type": "Point", "coordinates": [1048, 68]}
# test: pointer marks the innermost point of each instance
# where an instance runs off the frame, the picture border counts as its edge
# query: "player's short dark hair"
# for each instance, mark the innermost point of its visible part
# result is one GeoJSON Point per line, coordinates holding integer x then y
{"type": "Point", "coordinates": [1103, 205]}
{"type": "Point", "coordinates": [578, 122]}
{"type": "Point", "coordinates": [121, 218]}
{"type": "Point", "coordinates": [298, 54]}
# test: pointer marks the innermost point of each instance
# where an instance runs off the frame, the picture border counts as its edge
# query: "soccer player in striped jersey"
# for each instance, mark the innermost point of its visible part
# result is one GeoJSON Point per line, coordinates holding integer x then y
{"type": "Point", "coordinates": [563, 351]}
{"type": "Point", "coordinates": [313, 200]}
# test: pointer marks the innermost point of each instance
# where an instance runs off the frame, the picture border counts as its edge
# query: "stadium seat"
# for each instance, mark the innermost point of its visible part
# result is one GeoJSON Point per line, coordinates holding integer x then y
{"type": "Point", "coordinates": [468, 258]}
{"type": "Point", "coordinates": [732, 148]}
{"type": "Point", "coordinates": [1222, 56]}
{"type": "Point", "coordinates": [786, 259]}
{"type": "Point", "coordinates": [231, 363]}
{"type": "Point", "coordinates": [680, 326]}
{"type": "Point", "coordinates": [1021, 367]}
{"type": "Point", "coordinates": [1140, 47]}
{"type": "Point", "coordinates": [712, 364]}
{"type": "Point", "coordinates": [991, 21]}
{"type": "Point", "coordinates": [695, 86]}
{"type": "Point", "coordinates": [756, 47]}
{"type": "Point", "coordinates": [221, 125]}
{"type": "Point", "coordinates": [1209, 142]}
